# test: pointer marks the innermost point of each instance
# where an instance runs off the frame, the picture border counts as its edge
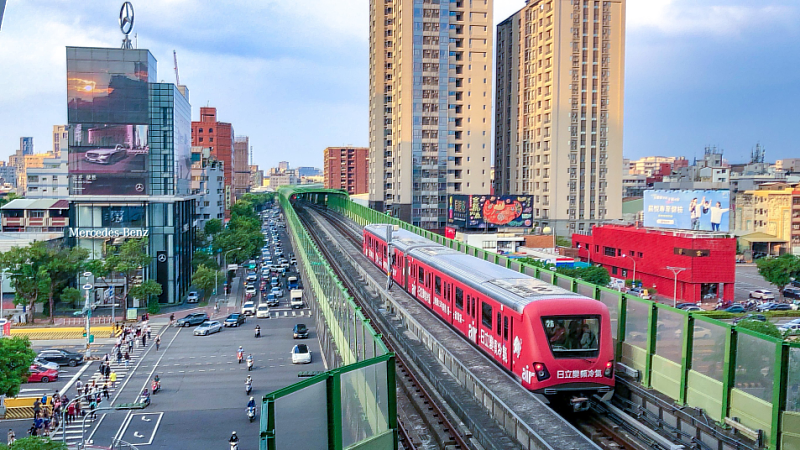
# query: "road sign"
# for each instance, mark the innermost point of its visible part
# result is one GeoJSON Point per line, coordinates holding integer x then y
{"type": "Point", "coordinates": [87, 286]}
{"type": "Point", "coordinates": [233, 267]}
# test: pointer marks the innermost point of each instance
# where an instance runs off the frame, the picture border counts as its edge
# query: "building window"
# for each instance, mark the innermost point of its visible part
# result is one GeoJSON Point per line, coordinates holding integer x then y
{"type": "Point", "coordinates": [200, 139]}
{"type": "Point", "coordinates": [613, 271]}
{"type": "Point", "coordinates": [210, 130]}
{"type": "Point", "coordinates": [610, 251]}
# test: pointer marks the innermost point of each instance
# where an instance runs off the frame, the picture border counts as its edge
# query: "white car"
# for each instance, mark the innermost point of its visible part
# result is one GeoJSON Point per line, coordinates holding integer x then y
{"type": "Point", "coordinates": [251, 290]}
{"type": "Point", "coordinates": [301, 354]}
{"type": "Point", "coordinates": [192, 298]}
{"type": "Point", "coordinates": [262, 312]}
{"type": "Point", "coordinates": [790, 328]}
{"type": "Point", "coordinates": [762, 294]}
{"type": "Point", "coordinates": [249, 308]}
{"type": "Point", "coordinates": [206, 328]}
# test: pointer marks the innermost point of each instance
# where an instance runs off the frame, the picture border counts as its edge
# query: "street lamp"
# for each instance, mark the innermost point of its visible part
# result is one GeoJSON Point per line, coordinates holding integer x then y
{"type": "Point", "coordinates": [634, 268]}
{"type": "Point", "coordinates": [675, 271]}
{"type": "Point", "coordinates": [224, 264]}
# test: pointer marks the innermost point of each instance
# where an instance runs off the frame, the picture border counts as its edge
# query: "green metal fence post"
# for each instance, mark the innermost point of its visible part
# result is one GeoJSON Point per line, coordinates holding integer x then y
{"type": "Point", "coordinates": [391, 390]}
{"type": "Point", "coordinates": [686, 356]}
{"type": "Point", "coordinates": [622, 318]}
{"type": "Point", "coordinates": [779, 391]}
{"type": "Point", "coordinates": [334, 389]}
{"type": "Point", "coordinates": [728, 371]}
{"type": "Point", "coordinates": [270, 432]}
{"type": "Point", "coordinates": [652, 329]}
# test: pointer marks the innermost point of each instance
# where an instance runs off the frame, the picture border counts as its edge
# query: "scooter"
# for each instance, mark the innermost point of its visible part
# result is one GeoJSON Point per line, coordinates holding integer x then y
{"type": "Point", "coordinates": [156, 386]}
{"type": "Point", "coordinates": [240, 357]}
{"type": "Point", "coordinates": [251, 413]}
{"type": "Point", "coordinates": [248, 387]}
{"type": "Point", "coordinates": [234, 446]}
{"type": "Point", "coordinates": [144, 399]}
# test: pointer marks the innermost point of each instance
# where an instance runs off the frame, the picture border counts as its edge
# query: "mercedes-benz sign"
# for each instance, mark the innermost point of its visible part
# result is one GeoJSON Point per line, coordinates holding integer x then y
{"type": "Point", "coordinates": [125, 18]}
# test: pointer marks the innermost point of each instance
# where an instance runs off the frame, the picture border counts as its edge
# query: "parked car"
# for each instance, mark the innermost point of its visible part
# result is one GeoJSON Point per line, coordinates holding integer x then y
{"type": "Point", "coordinates": [235, 319]}
{"type": "Point", "coordinates": [301, 354]}
{"type": "Point", "coordinates": [772, 306]}
{"type": "Point", "coordinates": [692, 308]}
{"type": "Point", "coordinates": [758, 317]}
{"type": "Point", "coordinates": [61, 357]}
{"type": "Point", "coordinates": [262, 312]}
{"type": "Point", "coordinates": [192, 319]}
{"type": "Point", "coordinates": [791, 292]}
{"type": "Point", "coordinates": [192, 297]}
{"type": "Point", "coordinates": [735, 309]}
{"type": "Point", "coordinates": [762, 294]}
{"type": "Point", "coordinates": [300, 331]}
{"type": "Point", "coordinates": [249, 308]}
{"type": "Point", "coordinates": [207, 328]}
{"type": "Point", "coordinates": [641, 293]}
{"type": "Point", "coordinates": [41, 374]}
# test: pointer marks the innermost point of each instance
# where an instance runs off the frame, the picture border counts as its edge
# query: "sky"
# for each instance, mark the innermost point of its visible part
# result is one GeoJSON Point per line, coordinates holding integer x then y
{"type": "Point", "coordinates": [293, 74]}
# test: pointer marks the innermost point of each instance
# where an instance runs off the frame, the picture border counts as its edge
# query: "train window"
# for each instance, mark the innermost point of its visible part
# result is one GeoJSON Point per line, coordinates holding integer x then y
{"type": "Point", "coordinates": [505, 328]}
{"type": "Point", "coordinates": [459, 298]}
{"type": "Point", "coordinates": [572, 336]}
{"type": "Point", "coordinates": [438, 285]}
{"type": "Point", "coordinates": [486, 315]}
{"type": "Point", "coordinates": [421, 276]}
{"type": "Point", "coordinates": [499, 322]}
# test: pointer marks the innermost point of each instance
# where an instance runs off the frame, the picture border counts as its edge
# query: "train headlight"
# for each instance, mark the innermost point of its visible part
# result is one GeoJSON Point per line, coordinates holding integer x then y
{"type": "Point", "coordinates": [541, 371]}
{"type": "Point", "coordinates": [609, 372]}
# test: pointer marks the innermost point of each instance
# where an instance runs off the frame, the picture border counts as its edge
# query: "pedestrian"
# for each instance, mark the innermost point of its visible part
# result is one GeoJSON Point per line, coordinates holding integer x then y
{"type": "Point", "coordinates": [57, 406]}
{"type": "Point", "coordinates": [113, 379]}
{"type": "Point", "coordinates": [64, 399]}
{"type": "Point", "coordinates": [11, 437]}
{"type": "Point", "coordinates": [105, 358]}
{"type": "Point", "coordinates": [148, 332]}
{"type": "Point", "coordinates": [130, 344]}
{"type": "Point", "coordinates": [71, 413]}
{"type": "Point", "coordinates": [144, 340]}
{"type": "Point", "coordinates": [127, 359]}
{"type": "Point", "coordinates": [92, 407]}
{"type": "Point", "coordinates": [32, 430]}
{"type": "Point", "coordinates": [78, 410]}
{"type": "Point", "coordinates": [158, 342]}
{"type": "Point", "coordinates": [38, 423]}
{"type": "Point", "coordinates": [44, 399]}
{"type": "Point", "coordinates": [45, 425]}
{"type": "Point", "coordinates": [171, 319]}
{"type": "Point", "coordinates": [105, 390]}
{"type": "Point", "coordinates": [108, 371]}
{"type": "Point", "coordinates": [37, 408]}
{"type": "Point", "coordinates": [119, 355]}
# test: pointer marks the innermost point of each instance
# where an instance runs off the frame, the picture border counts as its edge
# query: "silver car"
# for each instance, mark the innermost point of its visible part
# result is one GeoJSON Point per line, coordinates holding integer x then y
{"type": "Point", "coordinates": [106, 155]}
{"type": "Point", "coordinates": [206, 328]}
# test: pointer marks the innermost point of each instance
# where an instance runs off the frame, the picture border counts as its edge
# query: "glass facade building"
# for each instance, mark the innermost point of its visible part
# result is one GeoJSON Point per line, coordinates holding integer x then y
{"type": "Point", "coordinates": [130, 164]}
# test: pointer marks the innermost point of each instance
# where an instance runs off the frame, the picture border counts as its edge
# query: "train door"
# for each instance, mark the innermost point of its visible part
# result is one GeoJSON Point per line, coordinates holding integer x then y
{"type": "Point", "coordinates": [472, 318]}
{"type": "Point", "coordinates": [505, 338]}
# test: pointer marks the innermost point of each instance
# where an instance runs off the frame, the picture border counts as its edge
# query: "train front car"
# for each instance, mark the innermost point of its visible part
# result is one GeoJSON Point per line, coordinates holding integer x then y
{"type": "Point", "coordinates": [568, 354]}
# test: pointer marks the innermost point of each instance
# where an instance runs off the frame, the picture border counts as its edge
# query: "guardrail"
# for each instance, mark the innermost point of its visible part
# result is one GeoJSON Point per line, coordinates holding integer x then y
{"type": "Point", "coordinates": [726, 371]}
{"type": "Point", "coordinates": [355, 401]}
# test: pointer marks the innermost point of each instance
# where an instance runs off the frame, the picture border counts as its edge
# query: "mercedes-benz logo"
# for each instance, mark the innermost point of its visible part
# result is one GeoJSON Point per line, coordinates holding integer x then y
{"type": "Point", "coordinates": [139, 187]}
{"type": "Point", "coordinates": [162, 258]}
{"type": "Point", "coordinates": [126, 18]}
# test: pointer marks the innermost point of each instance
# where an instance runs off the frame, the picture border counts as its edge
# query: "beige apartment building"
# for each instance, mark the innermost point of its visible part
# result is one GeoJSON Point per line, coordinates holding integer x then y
{"type": "Point", "coordinates": [430, 105]}
{"type": "Point", "coordinates": [559, 110]}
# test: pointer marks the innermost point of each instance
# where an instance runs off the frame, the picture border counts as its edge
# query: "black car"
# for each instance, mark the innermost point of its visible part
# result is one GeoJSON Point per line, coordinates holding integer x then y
{"type": "Point", "coordinates": [758, 317]}
{"type": "Point", "coordinates": [61, 357]}
{"type": "Point", "coordinates": [192, 319]}
{"type": "Point", "coordinates": [791, 292]}
{"type": "Point", "coordinates": [300, 331]}
{"type": "Point", "coordinates": [685, 305]}
{"type": "Point", "coordinates": [234, 320]}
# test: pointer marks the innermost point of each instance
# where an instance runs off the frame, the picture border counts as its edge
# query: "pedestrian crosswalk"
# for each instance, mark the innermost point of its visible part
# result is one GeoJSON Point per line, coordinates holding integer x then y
{"type": "Point", "coordinates": [280, 314]}
{"type": "Point", "coordinates": [73, 430]}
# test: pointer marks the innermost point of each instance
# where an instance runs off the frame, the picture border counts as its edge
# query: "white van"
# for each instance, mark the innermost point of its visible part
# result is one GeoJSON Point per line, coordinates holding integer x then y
{"type": "Point", "coordinates": [296, 298]}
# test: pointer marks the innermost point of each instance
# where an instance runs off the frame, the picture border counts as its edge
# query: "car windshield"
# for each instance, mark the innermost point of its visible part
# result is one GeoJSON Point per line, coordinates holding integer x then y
{"type": "Point", "coordinates": [301, 348]}
{"type": "Point", "coordinates": [301, 327]}
{"type": "Point", "coordinates": [572, 336]}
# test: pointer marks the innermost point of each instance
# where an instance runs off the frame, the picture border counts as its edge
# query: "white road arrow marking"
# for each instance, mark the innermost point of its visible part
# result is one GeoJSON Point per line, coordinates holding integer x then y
{"type": "Point", "coordinates": [137, 435]}
{"type": "Point", "coordinates": [144, 418]}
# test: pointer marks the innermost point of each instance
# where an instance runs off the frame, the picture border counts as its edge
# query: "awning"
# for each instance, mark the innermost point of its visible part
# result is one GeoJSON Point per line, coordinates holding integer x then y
{"type": "Point", "coordinates": [761, 237]}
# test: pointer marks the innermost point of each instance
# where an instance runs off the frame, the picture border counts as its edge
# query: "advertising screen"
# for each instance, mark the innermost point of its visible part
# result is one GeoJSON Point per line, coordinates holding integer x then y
{"type": "Point", "coordinates": [108, 159]}
{"type": "Point", "coordinates": [490, 210]}
{"type": "Point", "coordinates": [706, 210]}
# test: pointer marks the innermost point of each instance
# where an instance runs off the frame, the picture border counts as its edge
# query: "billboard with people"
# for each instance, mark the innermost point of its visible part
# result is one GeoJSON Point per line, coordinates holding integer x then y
{"type": "Point", "coordinates": [701, 210]}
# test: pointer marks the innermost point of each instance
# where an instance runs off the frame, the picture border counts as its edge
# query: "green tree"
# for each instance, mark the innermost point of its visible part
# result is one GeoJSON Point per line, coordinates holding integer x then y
{"type": "Point", "coordinates": [766, 328]}
{"type": "Point", "coordinates": [8, 197]}
{"type": "Point", "coordinates": [212, 227]}
{"type": "Point", "coordinates": [779, 271]}
{"type": "Point", "coordinates": [71, 296]}
{"type": "Point", "coordinates": [596, 275]}
{"type": "Point", "coordinates": [202, 258]}
{"type": "Point", "coordinates": [62, 265]}
{"type": "Point", "coordinates": [27, 268]}
{"type": "Point", "coordinates": [129, 260]}
{"type": "Point", "coordinates": [204, 278]}
{"type": "Point", "coordinates": [35, 443]}
{"type": "Point", "coordinates": [146, 292]}
{"type": "Point", "coordinates": [16, 357]}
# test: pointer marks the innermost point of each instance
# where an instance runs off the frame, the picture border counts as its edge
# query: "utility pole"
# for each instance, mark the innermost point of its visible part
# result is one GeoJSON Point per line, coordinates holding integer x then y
{"type": "Point", "coordinates": [389, 256]}
{"type": "Point", "coordinates": [675, 271]}
{"type": "Point", "coordinates": [87, 309]}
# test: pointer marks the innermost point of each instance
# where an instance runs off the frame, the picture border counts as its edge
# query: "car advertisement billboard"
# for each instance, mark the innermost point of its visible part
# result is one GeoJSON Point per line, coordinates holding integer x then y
{"type": "Point", "coordinates": [702, 210]}
{"type": "Point", "coordinates": [108, 159]}
{"type": "Point", "coordinates": [476, 211]}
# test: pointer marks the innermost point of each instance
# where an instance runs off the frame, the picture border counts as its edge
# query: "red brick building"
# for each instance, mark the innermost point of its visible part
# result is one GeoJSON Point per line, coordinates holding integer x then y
{"type": "Point", "coordinates": [346, 168]}
{"type": "Point", "coordinates": [708, 259]}
{"type": "Point", "coordinates": [219, 136]}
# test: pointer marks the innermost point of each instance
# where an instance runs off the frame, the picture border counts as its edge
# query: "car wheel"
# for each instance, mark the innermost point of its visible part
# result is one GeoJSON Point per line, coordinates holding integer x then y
{"type": "Point", "coordinates": [73, 363]}
{"type": "Point", "coordinates": [186, 324]}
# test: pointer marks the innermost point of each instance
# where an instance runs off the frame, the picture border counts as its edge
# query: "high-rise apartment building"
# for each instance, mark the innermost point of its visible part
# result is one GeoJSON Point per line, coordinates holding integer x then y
{"type": "Point", "coordinates": [430, 105]}
{"type": "Point", "coordinates": [558, 127]}
{"type": "Point", "coordinates": [218, 136]}
{"type": "Point", "coordinates": [346, 168]}
{"type": "Point", "coordinates": [60, 139]}
{"type": "Point", "coordinates": [241, 166]}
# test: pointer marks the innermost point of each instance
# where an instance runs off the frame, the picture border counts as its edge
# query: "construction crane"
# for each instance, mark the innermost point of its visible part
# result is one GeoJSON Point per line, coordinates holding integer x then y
{"type": "Point", "coordinates": [177, 78]}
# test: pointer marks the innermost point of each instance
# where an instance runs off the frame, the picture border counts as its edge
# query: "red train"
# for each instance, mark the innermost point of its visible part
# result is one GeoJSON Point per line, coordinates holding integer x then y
{"type": "Point", "coordinates": [554, 341]}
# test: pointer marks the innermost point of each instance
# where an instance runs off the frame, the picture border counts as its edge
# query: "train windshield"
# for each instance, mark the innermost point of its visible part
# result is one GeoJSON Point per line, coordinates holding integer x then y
{"type": "Point", "coordinates": [573, 336]}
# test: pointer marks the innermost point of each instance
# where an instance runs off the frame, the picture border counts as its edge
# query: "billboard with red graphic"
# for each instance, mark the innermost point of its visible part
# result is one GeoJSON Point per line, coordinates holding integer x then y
{"type": "Point", "coordinates": [476, 211]}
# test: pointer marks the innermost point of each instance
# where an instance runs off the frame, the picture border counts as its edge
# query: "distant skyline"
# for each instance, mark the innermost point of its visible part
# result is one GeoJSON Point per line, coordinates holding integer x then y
{"type": "Point", "coordinates": [294, 77]}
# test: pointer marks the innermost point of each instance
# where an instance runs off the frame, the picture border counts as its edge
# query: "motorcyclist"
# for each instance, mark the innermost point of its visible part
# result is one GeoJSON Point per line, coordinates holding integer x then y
{"type": "Point", "coordinates": [258, 331]}
{"type": "Point", "coordinates": [240, 354]}
{"type": "Point", "coordinates": [234, 438]}
{"type": "Point", "coordinates": [251, 403]}
{"type": "Point", "coordinates": [145, 396]}
{"type": "Point", "coordinates": [248, 383]}
{"type": "Point", "coordinates": [156, 383]}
